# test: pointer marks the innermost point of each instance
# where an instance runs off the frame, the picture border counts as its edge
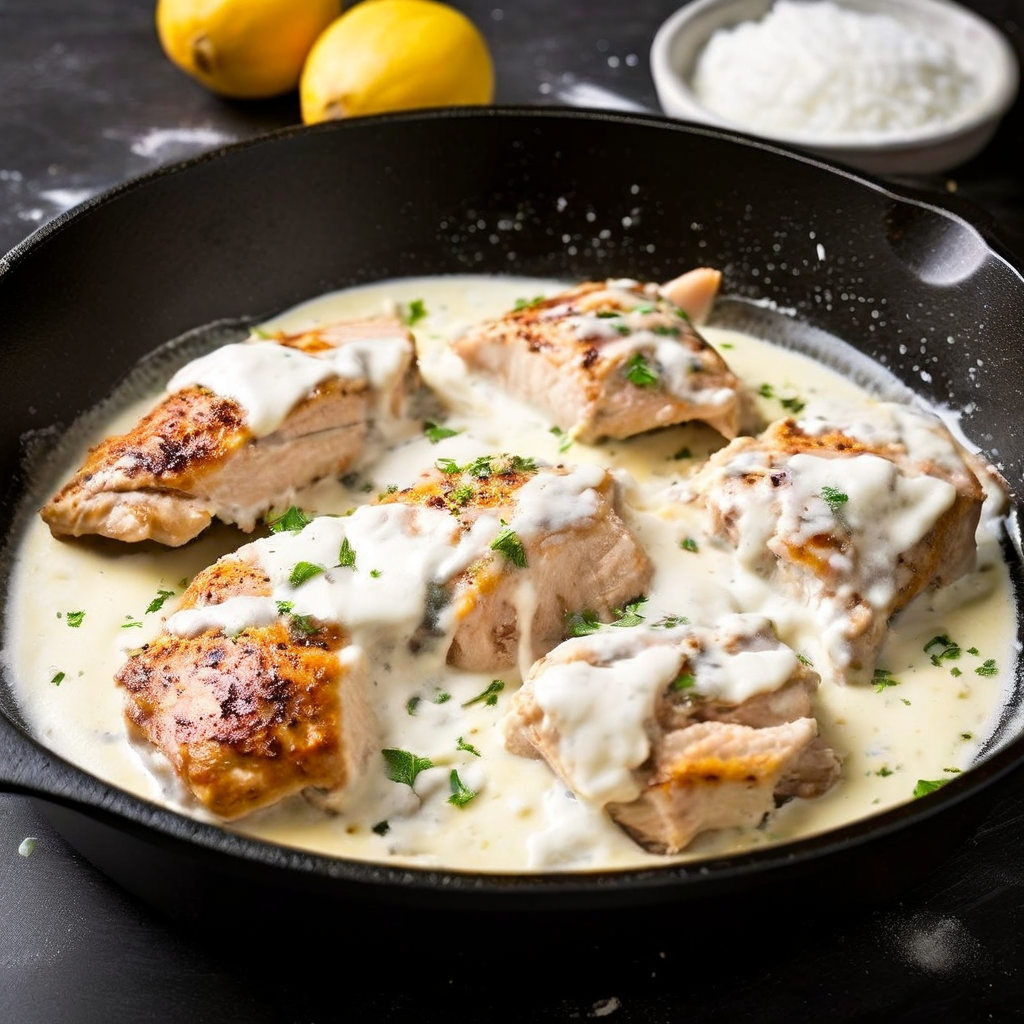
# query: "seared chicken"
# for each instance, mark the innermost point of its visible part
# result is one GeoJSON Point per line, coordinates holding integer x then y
{"type": "Point", "coordinates": [248, 719]}
{"type": "Point", "coordinates": [258, 687]}
{"type": "Point", "coordinates": [238, 432]}
{"type": "Point", "coordinates": [676, 730]}
{"type": "Point", "coordinates": [852, 518]}
{"type": "Point", "coordinates": [565, 550]}
{"type": "Point", "coordinates": [612, 359]}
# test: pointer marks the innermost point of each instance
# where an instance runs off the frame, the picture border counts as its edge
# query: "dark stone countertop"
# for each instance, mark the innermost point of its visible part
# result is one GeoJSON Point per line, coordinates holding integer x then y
{"type": "Point", "coordinates": [87, 100]}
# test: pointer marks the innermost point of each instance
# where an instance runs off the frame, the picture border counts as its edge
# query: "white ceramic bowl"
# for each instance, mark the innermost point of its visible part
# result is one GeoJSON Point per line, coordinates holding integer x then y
{"type": "Point", "coordinates": [681, 39]}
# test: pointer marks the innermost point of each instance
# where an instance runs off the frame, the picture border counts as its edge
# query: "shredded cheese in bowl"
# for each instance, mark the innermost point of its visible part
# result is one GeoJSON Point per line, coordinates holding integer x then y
{"type": "Point", "coordinates": [817, 68]}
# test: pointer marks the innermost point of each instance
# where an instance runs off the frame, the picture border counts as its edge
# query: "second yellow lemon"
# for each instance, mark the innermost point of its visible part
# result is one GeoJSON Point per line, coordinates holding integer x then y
{"type": "Point", "coordinates": [385, 55]}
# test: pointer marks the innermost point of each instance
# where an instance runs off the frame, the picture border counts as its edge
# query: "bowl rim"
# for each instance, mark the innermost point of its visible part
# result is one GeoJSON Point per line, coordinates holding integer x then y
{"type": "Point", "coordinates": [996, 100]}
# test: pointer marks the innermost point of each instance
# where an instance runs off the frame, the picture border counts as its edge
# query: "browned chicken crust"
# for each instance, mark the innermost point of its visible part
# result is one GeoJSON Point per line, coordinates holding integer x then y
{"type": "Point", "coordinates": [572, 355]}
{"type": "Point", "coordinates": [193, 457]}
{"type": "Point", "coordinates": [248, 720]}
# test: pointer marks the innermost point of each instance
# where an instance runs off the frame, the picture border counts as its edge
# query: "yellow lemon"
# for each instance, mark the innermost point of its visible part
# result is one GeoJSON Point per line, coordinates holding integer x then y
{"type": "Point", "coordinates": [387, 55]}
{"type": "Point", "coordinates": [246, 49]}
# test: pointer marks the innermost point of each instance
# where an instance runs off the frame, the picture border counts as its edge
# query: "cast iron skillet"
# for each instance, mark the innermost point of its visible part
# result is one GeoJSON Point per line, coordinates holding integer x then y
{"type": "Point", "coordinates": [254, 228]}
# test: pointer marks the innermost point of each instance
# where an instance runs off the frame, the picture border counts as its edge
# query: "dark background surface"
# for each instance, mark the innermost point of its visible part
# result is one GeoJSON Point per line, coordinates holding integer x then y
{"type": "Point", "coordinates": [86, 100]}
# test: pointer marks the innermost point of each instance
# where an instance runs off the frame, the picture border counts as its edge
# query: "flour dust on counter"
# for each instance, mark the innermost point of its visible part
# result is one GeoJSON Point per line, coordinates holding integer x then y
{"type": "Point", "coordinates": [523, 752]}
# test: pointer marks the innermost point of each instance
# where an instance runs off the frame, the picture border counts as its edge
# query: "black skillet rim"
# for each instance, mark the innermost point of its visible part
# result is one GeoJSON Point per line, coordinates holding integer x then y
{"type": "Point", "coordinates": [104, 801]}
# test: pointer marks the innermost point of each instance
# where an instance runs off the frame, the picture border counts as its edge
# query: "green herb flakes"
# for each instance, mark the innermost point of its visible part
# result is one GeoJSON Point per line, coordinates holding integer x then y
{"type": "Point", "coordinates": [435, 432]}
{"type": "Point", "coordinates": [640, 373]}
{"type": "Point", "coordinates": [882, 679]}
{"type": "Point", "coordinates": [346, 555]}
{"type": "Point", "coordinates": [581, 623]}
{"type": "Point", "coordinates": [527, 303]}
{"type": "Point", "coordinates": [461, 793]}
{"type": "Point", "coordinates": [630, 615]}
{"type": "Point", "coordinates": [412, 704]}
{"type": "Point", "coordinates": [684, 681]}
{"type": "Point", "coordinates": [941, 648]}
{"type": "Point", "coordinates": [414, 313]}
{"type": "Point", "coordinates": [303, 571]}
{"type": "Point", "coordinates": [292, 520]}
{"type": "Point", "coordinates": [468, 747]}
{"type": "Point", "coordinates": [403, 767]}
{"type": "Point", "coordinates": [158, 602]}
{"type": "Point", "coordinates": [489, 697]}
{"type": "Point", "coordinates": [382, 828]}
{"type": "Point", "coordinates": [74, 619]}
{"type": "Point", "coordinates": [835, 499]}
{"type": "Point", "coordinates": [508, 544]}
{"type": "Point", "coordinates": [671, 621]}
{"type": "Point", "coordinates": [987, 668]}
{"type": "Point", "coordinates": [688, 544]}
{"type": "Point", "coordinates": [884, 772]}
{"type": "Point", "coordinates": [926, 786]}
{"type": "Point", "coordinates": [58, 678]}
{"type": "Point", "coordinates": [564, 440]}
{"type": "Point", "coordinates": [130, 622]}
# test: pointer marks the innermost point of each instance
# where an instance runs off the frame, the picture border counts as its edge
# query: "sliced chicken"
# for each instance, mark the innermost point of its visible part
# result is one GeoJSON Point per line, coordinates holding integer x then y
{"type": "Point", "coordinates": [250, 718]}
{"type": "Point", "coordinates": [239, 430]}
{"type": "Point", "coordinates": [612, 359]}
{"type": "Point", "coordinates": [852, 517]}
{"type": "Point", "coordinates": [258, 687]}
{"type": "Point", "coordinates": [564, 550]}
{"type": "Point", "coordinates": [676, 731]}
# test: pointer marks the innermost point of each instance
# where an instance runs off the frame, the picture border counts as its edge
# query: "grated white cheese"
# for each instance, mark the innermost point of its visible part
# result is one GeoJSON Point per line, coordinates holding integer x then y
{"type": "Point", "coordinates": [814, 68]}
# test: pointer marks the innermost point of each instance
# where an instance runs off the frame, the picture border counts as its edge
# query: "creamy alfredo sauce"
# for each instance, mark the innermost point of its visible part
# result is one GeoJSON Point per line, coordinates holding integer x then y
{"type": "Point", "coordinates": [928, 725]}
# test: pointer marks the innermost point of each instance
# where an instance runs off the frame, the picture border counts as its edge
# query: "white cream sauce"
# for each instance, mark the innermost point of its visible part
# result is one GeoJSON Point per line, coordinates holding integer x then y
{"type": "Point", "coordinates": [928, 726]}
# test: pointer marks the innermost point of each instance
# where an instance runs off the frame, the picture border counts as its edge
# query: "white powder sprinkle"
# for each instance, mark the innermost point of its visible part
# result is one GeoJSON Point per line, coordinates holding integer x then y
{"type": "Point", "coordinates": [817, 69]}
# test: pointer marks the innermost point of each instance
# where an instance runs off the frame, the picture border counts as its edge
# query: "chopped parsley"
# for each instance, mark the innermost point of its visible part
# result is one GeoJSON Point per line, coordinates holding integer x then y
{"type": "Point", "coordinates": [952, 771]}
{"type": "Point", "coordinates": [303, 571]}
{"type": "Point", "coordinates": [967, 735]}
{"type": "Point", "coordinates": [58, 678]}
{"type": "Point", "coordinates": [527, 303]}
{"type": "Point", "coordinates": [403, 766]}
{"type": "Point", "coordinates": [665, 330]}
{"type": "Point", "coordinates": [630, 615]}
{"type": "Point", "coordinates": [449, 466]}
{"type": "Point", "coordinates": [435, 432]}
{"type": "Point", "coordinates": [955, 672]}
{"type": "Point", "coordinates": [468, 747]}
{"type": "Point", "coordinates": [487, 466]}
{"type": "Point", "coordinates": [390, 489]}
{"type": "Point", "coordinates": [74, 619]}
{"type": "Point", "coordinates": [441, 697]}
{"type": "Point", "coordinates": [158, 602]}
{"type": "Point", "coordinates": [670, 621]}
{"type": "Point", "coordinates": [882, 679]}
{"type": "Point", "coordinates": [794, 405]}
{"type": "Point", "coordinates": [581, 623]}
{"type": "Point", "coordinates": [834, 498]}
{"type": "Point", "coordinates": [941, 648]}
{"type": "Point", "coordinates": [412, 704]}
{"type": "Point", "coordinates": [292, 519]}
{"type": "Point", "coordinates": [381, 828]}
{"type": "Point", "coordinates": [804, 660]}
{"type": "Point", "coordinates": [683, 453]}
{"type": "Point", "coordinates": [284, 607]}
{"type": "Point", "coordinates": [987, 668]}
{"type": "Point", "coordinates": [459, 496]}
{"type": "Point", "coordinates": [973, 650]}
{"type": "Point", "coordinates": [640, 373]}
{"type": "Point", "coordinates": [375, 573]}
{"type": "Point", "coordinates": [683, 681]}
{"type": "Point", "coordinates": [688, 544]}
{"type": "Point", "coordinates": [346, 555]}
{"type": "Point", "coordinates": [926, 786]}
{"type": "Point", "coordinates": [461, 793]}
{"type": "Point", "coordinates": [489, 696]}
{"type": "Point", "coordinates": [131, 622]}
{"type": "Point", "coordinates": [564, 440]}
{"type": "Point", "coordinates": [303, 625]}
{"type": "Point", "coordinates": [884, 772]}
{"type": "Point", "coordinates": [766, 391]}
{"type": "Point", "coordinates": [414, 312]}
{"type": "Point", "coordinates": [507, 543]}
{"type": "Point", "coordinates": [683, 315]}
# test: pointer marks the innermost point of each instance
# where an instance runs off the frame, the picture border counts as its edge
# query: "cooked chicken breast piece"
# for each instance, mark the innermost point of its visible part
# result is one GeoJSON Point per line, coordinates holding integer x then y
{"type": "Point", "coordinates": [677, 730]}
{"type": "Point", "coordinates": [612, 359]}
{"type": "Point", "coordinates": [258, 687]}
{"type": "Point", "coordinates": [249, 718]}
{"type": "Point", "coordinates": [239, 430]}
{"type": "Point", "coordinates": [564, 550]}
{"type": "Point", "coordinates": [853, 517]}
